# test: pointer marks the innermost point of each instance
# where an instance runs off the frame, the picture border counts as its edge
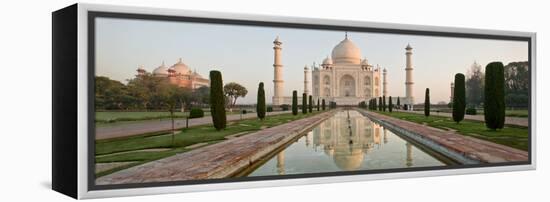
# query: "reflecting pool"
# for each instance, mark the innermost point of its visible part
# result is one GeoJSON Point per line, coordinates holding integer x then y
{"type": "Point", "coordinates": [347, 141]}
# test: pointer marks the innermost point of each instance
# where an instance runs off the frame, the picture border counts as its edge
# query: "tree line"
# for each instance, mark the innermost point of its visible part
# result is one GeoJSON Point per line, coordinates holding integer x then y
{"type": "Point", "coordinates": [145, 92]}
{"type": "Point", "coordinates": [516, 85]}
{"type": "Point", "coordinates": [148, 92]}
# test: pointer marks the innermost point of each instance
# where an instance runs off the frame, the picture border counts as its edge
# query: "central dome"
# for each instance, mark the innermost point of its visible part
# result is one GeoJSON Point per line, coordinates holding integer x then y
{"type": "Point", "coordinates": [346, 52]}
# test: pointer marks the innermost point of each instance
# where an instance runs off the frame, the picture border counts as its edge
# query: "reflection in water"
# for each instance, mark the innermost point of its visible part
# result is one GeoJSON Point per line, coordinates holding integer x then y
{"type": "Point", "coordinates": [281, 163]}
{"type": "Point", "coordinates": [348, 141]}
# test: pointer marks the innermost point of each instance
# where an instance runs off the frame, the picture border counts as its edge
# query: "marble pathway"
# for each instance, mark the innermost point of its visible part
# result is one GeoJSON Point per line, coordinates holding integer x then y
{"type": "Point", "coordinates": [218, 160]}
{"type": "Point", "coordinates": [477, 149]}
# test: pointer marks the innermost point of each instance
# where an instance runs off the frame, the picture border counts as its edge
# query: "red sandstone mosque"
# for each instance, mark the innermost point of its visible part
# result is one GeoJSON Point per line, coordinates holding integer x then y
{"type": "Point", "coordinates": [179, 74]}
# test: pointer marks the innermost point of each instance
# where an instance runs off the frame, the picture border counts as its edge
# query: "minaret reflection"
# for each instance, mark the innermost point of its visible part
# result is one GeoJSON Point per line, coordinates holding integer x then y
{"type": "Point", "coordinates": [309, 135]}
{"type": "Point", "coordinates": [385, 136]}
{"type": "Point", "coordinates": [409, 155]}
{"type": "Point", "coordinates": [281, 163]}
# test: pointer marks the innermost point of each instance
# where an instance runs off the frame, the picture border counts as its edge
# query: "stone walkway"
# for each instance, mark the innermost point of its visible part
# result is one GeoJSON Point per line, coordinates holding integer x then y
{"type": "Point", "coordinates": [141, 127]}
{"type": "Point", "coordinates": [518, 121]}
{"type": "Point", "coordinates": [472, 148]}
{"type": "Point", "coordinates": [218, 160]}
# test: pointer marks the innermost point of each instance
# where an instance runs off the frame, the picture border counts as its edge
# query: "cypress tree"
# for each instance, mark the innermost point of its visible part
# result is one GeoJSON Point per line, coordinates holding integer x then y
{"type": "Point", "coordinates": [294, 102]}
{"type": "Point", "coordinates": [427, 103]}
{"type": "Point", "coordinates": [380, 104]}
{"type": "Point", "coordinates": [260, 105]}
{"type": "Point", "coordinates": [459, 98]}
{"type": "Point", "coordinates": [323, 105]}
{"type": "Point", "coordinates": [398, 103]}
{"type": "Point", "coordinates": [390, 108]}
{"type": "Point", "coordinates": [494, 104]}
{"type": "Point", "coordinates": [370, 105]}
{"type": "Point", "coordinates": [318, 104]}
{"type": "Point", "coordinates": [384, 103]}
{"type": "Point", "coordinates": [304, 103]}
{"type": "Point", "coordinates": [217, 100]}
{"type": "Point", "coordinates": [310, 104]}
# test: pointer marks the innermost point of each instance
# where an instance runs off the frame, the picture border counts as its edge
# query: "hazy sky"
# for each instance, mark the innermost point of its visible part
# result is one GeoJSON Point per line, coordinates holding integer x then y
{"type": "Point", "coordinates": [244, 54]}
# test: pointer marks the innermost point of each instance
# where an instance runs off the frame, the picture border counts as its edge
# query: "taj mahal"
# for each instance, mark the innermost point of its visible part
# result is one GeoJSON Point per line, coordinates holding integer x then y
{"type": "Point", "coordinates": [344, 77]}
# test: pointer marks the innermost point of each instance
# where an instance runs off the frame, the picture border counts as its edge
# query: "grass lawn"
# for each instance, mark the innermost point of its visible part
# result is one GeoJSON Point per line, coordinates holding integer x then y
{"type": "Point", "coordinates": [522, 113]}
{"type": "Point", "coordinates": [109, 117]}
{"type": "Point", "coordinates": [127, 149]}
{"type": "Point", "coordinates": [118, 116]}
{"type": "Point", "coordinates": [513, 136]}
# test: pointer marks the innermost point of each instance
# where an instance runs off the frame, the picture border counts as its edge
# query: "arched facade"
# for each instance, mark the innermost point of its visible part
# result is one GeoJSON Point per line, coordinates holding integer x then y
{"type": "Point", "coordinates": [344, 77]}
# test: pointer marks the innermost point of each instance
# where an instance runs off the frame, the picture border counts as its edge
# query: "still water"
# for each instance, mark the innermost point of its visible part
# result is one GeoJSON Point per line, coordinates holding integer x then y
{"type": "Point", "coordinates": [348, 141]}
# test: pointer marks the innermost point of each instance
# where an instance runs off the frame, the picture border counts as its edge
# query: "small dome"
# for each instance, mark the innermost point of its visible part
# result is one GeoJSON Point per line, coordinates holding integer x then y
{"type": "Point", "coordinates": [161, 70]}
{"type": "Point", "coordinates": [408, 47]}
{"type": "Point", "coordinates": [365, 62]}
{"type": "Point", "coordinates": [347, 159]}
{"type": "Point", "coordinates": [181, 68]}
{"type": "Point", "coordinates": [327, 61]}
{"type": "Point", "coordinates": [197, 75]}
{"type": "Point", "coordinates": [346, 52]}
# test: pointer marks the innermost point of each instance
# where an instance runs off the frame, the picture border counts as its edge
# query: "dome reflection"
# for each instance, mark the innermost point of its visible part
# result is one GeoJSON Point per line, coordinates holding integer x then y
{"type": "Point", "coordinates": [347, 140]}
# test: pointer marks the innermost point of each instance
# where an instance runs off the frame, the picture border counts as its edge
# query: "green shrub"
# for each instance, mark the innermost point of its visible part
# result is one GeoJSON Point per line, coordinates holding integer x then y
{"type": "Point", "coordinates": [471, 111]}
{"type": "Point", "coordinates": [285, 107]}
{"type": "Point", "coordinates": [323, 105]}
{"type": "Point", "coordinates": [269, 108]}
{"type": "Point", "coordinates": [244, 111]}
{"type": "Point", "coordinates": [196, 113]}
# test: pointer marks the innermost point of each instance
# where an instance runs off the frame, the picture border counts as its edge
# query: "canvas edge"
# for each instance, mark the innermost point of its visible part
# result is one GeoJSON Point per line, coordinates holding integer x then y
{"type": "Point", "coordinates": [85, 193]}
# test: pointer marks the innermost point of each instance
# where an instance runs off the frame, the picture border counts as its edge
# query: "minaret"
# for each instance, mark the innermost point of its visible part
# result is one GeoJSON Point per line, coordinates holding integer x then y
{"type": "Point", "coordinates": [452, 91]}
{"type": "Point", "coordinates": [384, 83]}
{"type": "Point", "coordinates": [278, 73]}
{"type": "Point", "coordinates": [409, 77]}
{"type": "Point", "coordinates": [306, 80]}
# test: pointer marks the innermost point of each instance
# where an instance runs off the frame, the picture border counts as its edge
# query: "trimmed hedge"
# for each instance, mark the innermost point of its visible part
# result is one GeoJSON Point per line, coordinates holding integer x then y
{"type": "Point", "coordinates": [260, 105]}
{"type": "Point", "coordinates": [217, 100]}
{"type": "Point", "coordinates": [304, 103]}
{"type": "Point", "coordinates": [494, 103]}
{"type": "Point", "coordinates": [471, 111]}
{"type": "Point", "coordinates": [285, 107]}
{"type": "Point", "coordinates": [196, 113]}
{"type": "Point", "coordinates": [427, 103]}
{"type": "Point", "coordinates": [459, 98]}
{"type": "Point", "coordinates": [295, 102]}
